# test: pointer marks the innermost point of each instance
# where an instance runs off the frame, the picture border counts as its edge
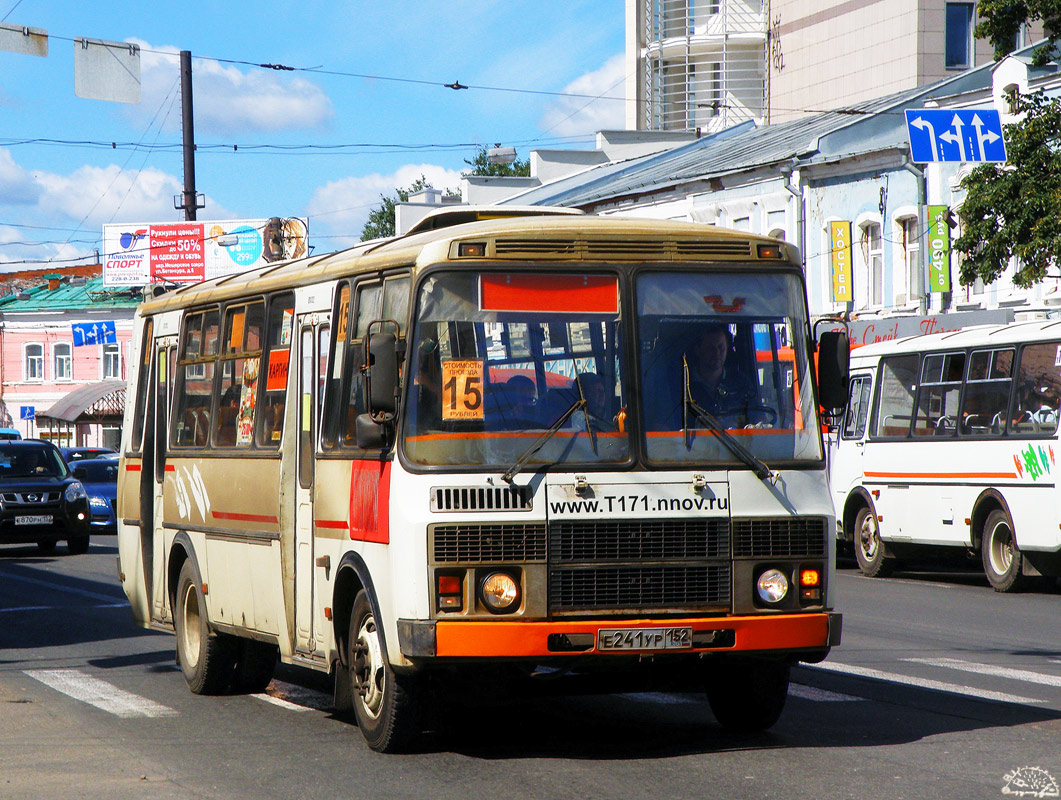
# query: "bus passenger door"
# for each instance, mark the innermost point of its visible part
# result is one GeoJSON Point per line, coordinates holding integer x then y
{"type": "Point", "coordinates": [152, 477]}
{"type": "Point", "coordinates": [845, 460]}
{"type": "Point", "coordinates": [312, 343]}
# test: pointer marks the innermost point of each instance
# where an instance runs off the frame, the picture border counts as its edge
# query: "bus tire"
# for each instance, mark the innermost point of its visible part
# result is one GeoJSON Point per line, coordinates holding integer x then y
{"type": "Point", "coordinates": [207, 658]}
{"type": "Point", "coordinates": [1003, 561]}
{"type": "Point", "coordinates": [869, 550]}
{"type": "Point", "coordinates": [747, 695]}
{"type": "Point", "coordinates": [255, 665]}
{"type": "Point", "coordinates": [384, 703]}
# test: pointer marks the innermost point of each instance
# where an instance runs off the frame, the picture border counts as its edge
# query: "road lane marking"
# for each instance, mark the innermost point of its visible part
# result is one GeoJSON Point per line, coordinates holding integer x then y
{"type": "Point", "coordinates": [990, 669]}
{"type": "Point", "coordinates": [82, 686]}
{"type": "Point", "coordinates": [923, 683]}
{"type": "Point", "coordinates": [804, 692]}
{"type": "Point", "coordinates": [108, 598]}
{"type": "Point", "coordinates": [295, 698]}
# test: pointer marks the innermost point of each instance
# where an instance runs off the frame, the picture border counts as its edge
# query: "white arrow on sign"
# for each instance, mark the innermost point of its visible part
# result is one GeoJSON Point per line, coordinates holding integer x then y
{"type": "Point", "coordinates": [990, 137]}
{"type": "Point", "coordinates": [922, 124]}
{"type": "Point", "coordinates": [956, 137]}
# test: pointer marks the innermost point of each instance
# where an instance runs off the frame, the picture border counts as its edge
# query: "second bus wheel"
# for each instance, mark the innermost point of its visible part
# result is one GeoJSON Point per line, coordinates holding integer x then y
{"type": "Point", "coordinates": [1003, 562]}
{"type": "Point", "coordinates": [869, 550]}
{"type": "Point", "coordinates": [384, 703]}
{"type": "Point", "coordinates": [207, 658]}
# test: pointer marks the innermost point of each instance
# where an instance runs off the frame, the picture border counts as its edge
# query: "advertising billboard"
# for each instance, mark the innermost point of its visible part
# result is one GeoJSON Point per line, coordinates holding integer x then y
{"type": "Point", "coordinates": [139, 253]}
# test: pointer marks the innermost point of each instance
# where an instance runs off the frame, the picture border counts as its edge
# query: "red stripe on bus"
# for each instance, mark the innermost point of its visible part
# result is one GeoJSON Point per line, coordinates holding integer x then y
{"type": "Point", "coordinates": [231, 515]}
{"type": "Point", "coordinates": [170, 468]}
{"type": "Point", "coordinates": [132, 467]}
{"type": "Point", "coordinates": [952, 475]}
{"type": "Point", "coordinates": [370, 501]}
{"type": "Point", "coordinates": [340, 524]}
{"type": "Point", "coordinates": [597, 294]}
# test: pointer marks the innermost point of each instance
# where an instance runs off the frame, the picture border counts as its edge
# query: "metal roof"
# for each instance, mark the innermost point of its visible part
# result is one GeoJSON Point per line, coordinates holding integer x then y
{"type": "Point", "coordinates": [95, 402]}
{"type": "Point", "coordinates": [91, 293]}
{"type": "Point", "coordinates": [864, 128]}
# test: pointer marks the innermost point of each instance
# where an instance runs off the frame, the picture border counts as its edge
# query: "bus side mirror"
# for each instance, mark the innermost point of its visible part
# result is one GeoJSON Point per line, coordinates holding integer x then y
{"type": "Point", "coordinates": [370, 435]}
{"type": "Point", "coordinates": [834, 359]}
{"type": "Point", "coordinates": [381, 373]}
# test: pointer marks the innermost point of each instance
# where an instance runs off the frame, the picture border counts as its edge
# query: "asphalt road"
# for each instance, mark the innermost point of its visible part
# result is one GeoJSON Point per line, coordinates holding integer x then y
{"type": "Point", "coordinates": [942, 688]}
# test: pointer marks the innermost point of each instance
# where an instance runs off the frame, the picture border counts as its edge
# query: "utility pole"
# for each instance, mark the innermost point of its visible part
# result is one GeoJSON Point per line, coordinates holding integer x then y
{"type": "Point", "coordinates": [190, 200]}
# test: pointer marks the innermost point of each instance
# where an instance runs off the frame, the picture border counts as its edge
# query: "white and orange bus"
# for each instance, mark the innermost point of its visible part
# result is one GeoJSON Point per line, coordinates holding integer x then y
{"type": "Point", "coordinates": [949, 444]}
{"type": "Point", "coordinates": [475, 446]}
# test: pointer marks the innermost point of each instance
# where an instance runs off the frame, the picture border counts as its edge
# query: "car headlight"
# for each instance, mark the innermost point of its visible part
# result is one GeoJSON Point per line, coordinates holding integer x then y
{"type": "Point", "coordinates": [75, 491]}
{"type": "Point", "coordinates": [499, 592]}
{"type": "Point", "coordinates": [772, 586]}
{"type": "Point", "coordinates": [98, 502]}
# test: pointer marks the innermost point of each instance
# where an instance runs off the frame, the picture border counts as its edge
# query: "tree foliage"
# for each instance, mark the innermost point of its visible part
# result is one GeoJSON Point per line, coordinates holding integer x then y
{"type": "Point", "coordinates": [1000, 22]}
{"type": "Point", "coordinates": [380, 222]}
{"type": "Point", "coordinates": [1014, 209]}
{"type": "Point", "coordinates": [481, 166]}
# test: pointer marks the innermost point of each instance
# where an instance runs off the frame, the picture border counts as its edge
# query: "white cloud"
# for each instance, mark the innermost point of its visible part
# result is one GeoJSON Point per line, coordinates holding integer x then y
{"type": "Point", "coordinates": [574, 116]}
{"type": "Point", "coordinates": [225, 98]}
{"type": "Point", "coordinates": [16, 184]}
{"type": "Point", "coordinates": [19, 249]}
{"type": "Point", "coordinates": [341, 208]}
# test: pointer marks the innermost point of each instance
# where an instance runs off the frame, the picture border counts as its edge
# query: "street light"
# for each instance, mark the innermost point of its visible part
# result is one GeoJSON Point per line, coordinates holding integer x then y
{"type": "Point", "coordinates": [501, 155]}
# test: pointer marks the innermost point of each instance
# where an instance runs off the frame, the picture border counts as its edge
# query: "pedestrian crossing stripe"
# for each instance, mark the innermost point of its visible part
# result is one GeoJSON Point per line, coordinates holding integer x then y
{"type": "Point", "coordinates": [100, 694]}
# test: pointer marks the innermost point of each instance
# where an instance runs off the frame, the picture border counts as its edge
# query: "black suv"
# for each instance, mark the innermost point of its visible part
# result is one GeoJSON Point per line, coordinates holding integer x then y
{"type": "Point", "coordinates": [40, 501]}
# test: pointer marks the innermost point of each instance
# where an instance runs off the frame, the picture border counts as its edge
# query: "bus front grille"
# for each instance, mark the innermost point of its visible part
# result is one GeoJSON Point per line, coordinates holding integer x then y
{"type": "Point", "coordinates": [783, 536]}
{"type": "Point", "coordinates": [634, 588]}
{"type": "Point", "coordinates": [481, 498]}
{"type": "Point", "coordinates": [573, 541]}
{"type": "Point", "coordinates": [478, 544]}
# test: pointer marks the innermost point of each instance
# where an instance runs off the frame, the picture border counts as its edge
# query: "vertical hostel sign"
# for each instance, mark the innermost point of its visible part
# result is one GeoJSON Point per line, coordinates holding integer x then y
{"type": "Point", "coordinates": [840, 248]}
{"type": "Point", "coordinates": [939, 249]}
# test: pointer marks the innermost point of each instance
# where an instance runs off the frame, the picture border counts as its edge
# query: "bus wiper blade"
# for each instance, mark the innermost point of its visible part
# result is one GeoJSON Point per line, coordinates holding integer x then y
{"type": "Point", "coordinates": [538, 443]}
{"type": "Point", "coordinates": [762, 472]}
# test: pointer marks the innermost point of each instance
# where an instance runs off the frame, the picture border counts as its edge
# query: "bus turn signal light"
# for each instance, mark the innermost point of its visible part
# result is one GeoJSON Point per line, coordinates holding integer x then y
{"type": "Point", "coordinates": [450, 592]}
{"type": "Point", "coordinates": [810, 577]}
{"type": "Point", "coordinates": [471, 250]}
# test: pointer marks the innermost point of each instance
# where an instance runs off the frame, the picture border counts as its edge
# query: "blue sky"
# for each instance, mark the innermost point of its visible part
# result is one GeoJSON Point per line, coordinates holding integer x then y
{"type": "Point", "coordinates": [55, 196]}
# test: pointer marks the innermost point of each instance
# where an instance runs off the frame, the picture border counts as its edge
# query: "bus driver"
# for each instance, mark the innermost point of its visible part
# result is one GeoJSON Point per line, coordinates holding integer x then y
{"type": "Point", "coordinates": [716, 389]}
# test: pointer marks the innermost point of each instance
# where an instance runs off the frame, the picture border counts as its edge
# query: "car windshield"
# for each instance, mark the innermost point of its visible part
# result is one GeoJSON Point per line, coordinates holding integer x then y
{"type": "Point", "coordinates": [98, 471]}
{"type": "Point", "coordinates": [731, 348]}
{"type": "Point", "coordinates": [31, 462]}
{"type": "Point", "coordinates": [498, 359]}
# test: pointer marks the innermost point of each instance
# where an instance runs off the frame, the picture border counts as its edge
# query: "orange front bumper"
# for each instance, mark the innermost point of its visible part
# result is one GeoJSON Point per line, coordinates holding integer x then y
{"type": "Point", "coordinates": [511, 639]}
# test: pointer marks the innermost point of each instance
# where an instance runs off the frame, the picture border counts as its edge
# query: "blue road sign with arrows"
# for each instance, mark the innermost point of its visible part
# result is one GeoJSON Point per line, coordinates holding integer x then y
{"type": "Point", "coordinates": [93, 333]}
{"type": "Point", "coordinates": [938, 134]}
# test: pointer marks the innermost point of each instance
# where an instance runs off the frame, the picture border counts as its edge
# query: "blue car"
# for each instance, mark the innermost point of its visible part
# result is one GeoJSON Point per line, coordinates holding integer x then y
{"type": "Point", "coordinates": [100, 479]}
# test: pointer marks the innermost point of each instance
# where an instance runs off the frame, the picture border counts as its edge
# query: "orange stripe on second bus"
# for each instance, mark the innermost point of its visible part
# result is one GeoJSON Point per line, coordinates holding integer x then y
{"type": "Point", "coordinates": [945, 475]}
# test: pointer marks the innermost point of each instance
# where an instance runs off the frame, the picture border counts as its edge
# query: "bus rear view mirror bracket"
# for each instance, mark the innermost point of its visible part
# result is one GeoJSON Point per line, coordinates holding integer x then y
{"type": "Point", "coordinates": [834, 359]}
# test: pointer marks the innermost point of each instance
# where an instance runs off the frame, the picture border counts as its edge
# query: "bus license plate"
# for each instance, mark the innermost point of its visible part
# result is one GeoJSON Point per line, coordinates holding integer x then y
{"type": "Point", "coordinates": [644, 638]}
{"type": "Point", "coordinates": [41, 519]}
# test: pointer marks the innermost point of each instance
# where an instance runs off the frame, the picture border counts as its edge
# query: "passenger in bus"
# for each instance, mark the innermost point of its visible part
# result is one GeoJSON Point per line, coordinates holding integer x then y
{"type": "Point", "coordinates": [714, 385]}
{"type": "Point", "coordinates": [522, 398]}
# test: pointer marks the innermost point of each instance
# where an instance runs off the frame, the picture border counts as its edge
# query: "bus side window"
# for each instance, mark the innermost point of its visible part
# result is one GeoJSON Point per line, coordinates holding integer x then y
{"type": "Point", "coordinates": [1039, 390]}
{"type": "Point", "coordinates": [898, 385]}
{"type": "Point", "coordinates": [136, 440]}
{"type": "Point", "coordinates": [240, 364]}
{"type": "Point", "coordinates": [985, 402]}
{"type": "Point", "coordinates": [332, 377]}
{"type": "Point", "coordinates": [937, 404]}
{"type": "Point", "coordinates": [368, 309]}
{"type": "Point", "coordinates": [195, 379]}
{"type": "Point", "coordinates": [275, 369]}
{"type": "Point", "coordinates": [857, 408]}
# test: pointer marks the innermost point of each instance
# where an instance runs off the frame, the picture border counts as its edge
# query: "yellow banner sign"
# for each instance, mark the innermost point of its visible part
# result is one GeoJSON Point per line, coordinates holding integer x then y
{"type": "Point", "coordinates": [840, 239]}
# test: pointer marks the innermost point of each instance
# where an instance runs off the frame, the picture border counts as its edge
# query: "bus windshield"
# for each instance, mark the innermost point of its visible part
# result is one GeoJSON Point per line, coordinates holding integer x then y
{"type": "Point", "coordinates": [498, 359]}
{"type": "Point", "coordinates": [730, 348]}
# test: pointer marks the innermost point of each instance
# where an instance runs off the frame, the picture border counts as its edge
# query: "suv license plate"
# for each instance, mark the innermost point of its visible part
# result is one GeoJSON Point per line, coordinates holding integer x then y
{"type": "Point", "coordinates": [41, 519]}
{"type": "Point", "coordinates": [644, 638]}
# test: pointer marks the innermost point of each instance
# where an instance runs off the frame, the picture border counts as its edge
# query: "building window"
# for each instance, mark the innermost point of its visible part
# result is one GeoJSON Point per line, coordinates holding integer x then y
{"type": "Point", "coordinates": [63, 368]}
{"type": "Point", "coordinates": [111, 361]}
{"type": "Point", "coordinates": [34, 362]}
{"type": "Point", "coordinates": [959, 36]}
{"type": "Point", "coordinates": [873, 255]}
{"type": "Point", "coordinates": [912, 257]}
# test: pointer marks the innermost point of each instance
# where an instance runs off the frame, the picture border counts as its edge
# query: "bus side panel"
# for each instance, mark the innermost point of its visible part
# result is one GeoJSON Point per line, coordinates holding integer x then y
{"type": "Point", "coordinates": [235, 503]}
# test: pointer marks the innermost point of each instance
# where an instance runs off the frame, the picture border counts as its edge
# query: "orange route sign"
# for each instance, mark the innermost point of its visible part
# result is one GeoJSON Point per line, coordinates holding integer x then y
{"type": "Point", "coordinates": [462, 389]}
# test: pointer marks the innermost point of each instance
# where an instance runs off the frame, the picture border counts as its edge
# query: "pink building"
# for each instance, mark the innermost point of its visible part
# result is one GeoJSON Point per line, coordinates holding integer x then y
{"type": "Point", "coordinates": [70, 334]}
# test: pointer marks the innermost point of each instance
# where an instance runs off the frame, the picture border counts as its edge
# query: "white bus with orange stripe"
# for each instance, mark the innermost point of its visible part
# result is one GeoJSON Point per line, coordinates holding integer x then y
{"type": "Point", "coordinates": [949, 445]}
{"type": "Point", "coordinates": [474, 447]}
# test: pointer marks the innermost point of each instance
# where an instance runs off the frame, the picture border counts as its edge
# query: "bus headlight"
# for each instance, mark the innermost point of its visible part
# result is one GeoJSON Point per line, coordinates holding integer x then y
{"type": "Point", "coordinates": [499, 592]}
{"type": "Point", "coordinates": [772, 586]}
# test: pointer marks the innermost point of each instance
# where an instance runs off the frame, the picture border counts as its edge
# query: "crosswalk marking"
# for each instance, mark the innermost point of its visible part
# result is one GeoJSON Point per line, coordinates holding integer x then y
{"type": "Point", "coordinates": [804, 692]}
{"type": "Point", "coordinates": [102, 695]}
{"type": "Point", "coordinates": [923, 683]}
{"type": "Point", "coordinates": [295, 698]}
{"type": "Point", "coordinates": [990, 669]}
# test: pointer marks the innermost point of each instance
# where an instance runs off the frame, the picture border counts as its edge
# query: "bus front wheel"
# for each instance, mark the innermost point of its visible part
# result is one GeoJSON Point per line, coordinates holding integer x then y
{"type": "Point", "coordinates": [1003, 562]}
{"type": "Point", "coordinates": [384, 703]}
{"type": "Point", "coordinates": [747, 695]}
{"type": "Point", "coordinates": [869, 550]}
{"type": "Point", "coordinates": [207, 658]}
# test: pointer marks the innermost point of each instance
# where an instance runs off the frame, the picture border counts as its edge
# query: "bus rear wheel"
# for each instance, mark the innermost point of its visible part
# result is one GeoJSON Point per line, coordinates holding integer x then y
{"type": "Point", "coordinates": [207, 658]}
{"type": "Point", "coordinates": [869, 550]}
{"type": "Point", "coordinates": [1003, 562]}
{"type": "Point", "coordinates": [747, 695]}
{"type": "Point", "coordinates": [384, 702]}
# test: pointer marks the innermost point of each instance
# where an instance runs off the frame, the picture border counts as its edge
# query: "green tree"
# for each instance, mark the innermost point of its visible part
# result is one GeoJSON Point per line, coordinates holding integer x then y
{"type": "Point", "coordinates": [380, 222]}
{"type": "Point", "coordinates": [1014, 209]}
{"type": "Point", "coordinates": [480, 165]}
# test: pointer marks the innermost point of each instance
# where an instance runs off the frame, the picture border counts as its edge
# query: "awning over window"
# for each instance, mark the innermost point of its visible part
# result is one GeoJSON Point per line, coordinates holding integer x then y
{"type": "Point", "coordinates": [97, 402]}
